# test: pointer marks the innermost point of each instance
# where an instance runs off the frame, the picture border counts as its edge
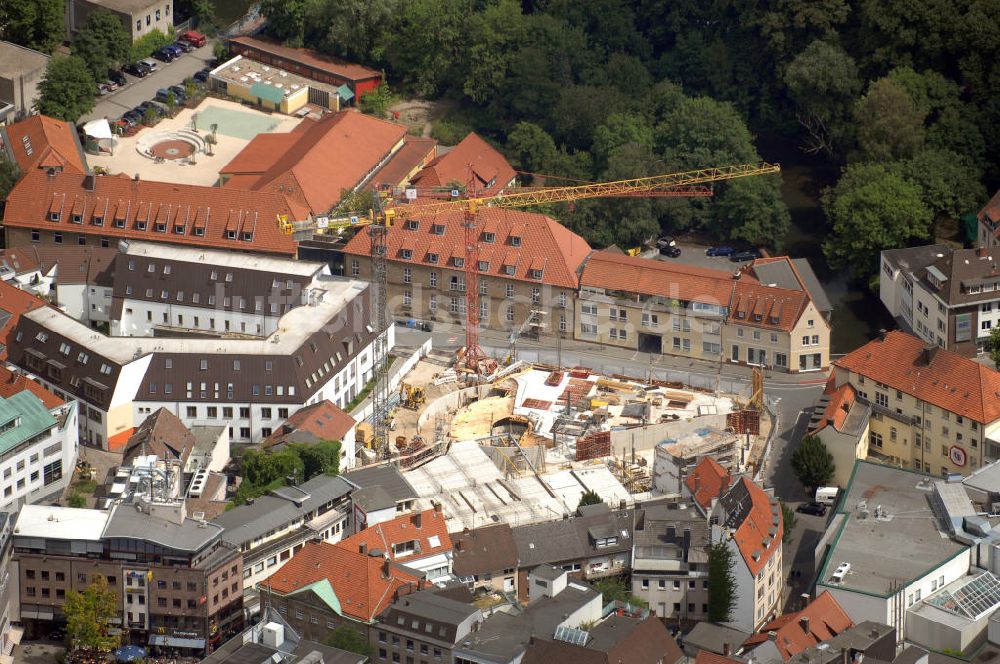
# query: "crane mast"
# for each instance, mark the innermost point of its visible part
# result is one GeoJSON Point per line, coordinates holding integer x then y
{"type": "Point", "coordinates": [378, 221]}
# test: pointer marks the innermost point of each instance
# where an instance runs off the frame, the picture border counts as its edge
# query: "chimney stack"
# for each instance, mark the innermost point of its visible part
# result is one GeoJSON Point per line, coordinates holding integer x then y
{"type": "Point", "coordinates": [772, 636]}
{"type": "Point", "coordinates": [385, 568]}
{"type": "Point", "coordinates": [882, 334]}
{"type": "Point", "coordinates": [726, 649]}
{"type": "Point", "coordinates": [458, 545]}
{"type": "Point", "coordinates": [437, 507]}
{"type": "Point", "coordinates": [363, 549]}
{"type": "Point", "coordinates": [804, 621]}
{"type": "Point", "coordinates": [418, 519]}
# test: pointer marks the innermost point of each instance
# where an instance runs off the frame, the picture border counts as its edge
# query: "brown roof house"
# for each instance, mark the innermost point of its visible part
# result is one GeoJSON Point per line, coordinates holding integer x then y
{"type": "Point", "coordinates": [316, 423]}
{"type": "Point", "coordinates": [486, 558]}
{"type": "Point", "coordinates": [615, 640]}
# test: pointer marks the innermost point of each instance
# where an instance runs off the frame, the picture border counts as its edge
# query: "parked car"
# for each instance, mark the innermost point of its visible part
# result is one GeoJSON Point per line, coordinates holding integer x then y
{"type": "Point", "coordinates": [673, 252]}
{"type": "Point", "coordinates": [813, 508]}
{"type": "Point", "coordinates": [159, 108]}
{"type": "Point", "coordinates": [164, 54]}
{"type": "Point", "coordinates": [149, 62]}
{"type": "Point", "coordinates": [117, 77]}
{"type": "Point", "coordinates": [193, 37]}
{"type": "Point", "coordinates": [138, 69]}
{"type": "Point", "coordinates": [103, 89]}
{"type": "Point", "coordinates": [175, 48]}
{"type": "Point", "coordinates": [202, 76]}
{"type": "Point", "coordinates": [179, 92]}
{"type": "Point", "coordinates": [162, 94]}
{"type": "Point", "coordinates": [666, 241]}
{"type": "Point", "coordinates": [127, 120]}
{"type": "Point", "coordinates": [183, 45]}
{"type": "Point", "coordinates": [720, 251]}
{"type": "Point", "coordinates": [742, 256]}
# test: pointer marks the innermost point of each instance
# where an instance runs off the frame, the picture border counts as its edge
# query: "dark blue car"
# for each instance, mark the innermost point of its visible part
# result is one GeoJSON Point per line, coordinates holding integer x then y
{"type": "Point", "coordinates": [720, 251]}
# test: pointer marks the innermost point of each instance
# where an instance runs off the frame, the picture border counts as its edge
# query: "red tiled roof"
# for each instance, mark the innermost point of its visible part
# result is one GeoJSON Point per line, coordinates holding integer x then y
{"type": "Point", "coordinates": [756, 529]}
{"type": "Point", "coordinates": [991, 210]}
{"type": "Point", "coordinates": [615, 271]}
{"type": "Point", "coordinates": [324, 420]}
{"type": "Point", "coordinates": [403, 529]}
{"type": "Point", "coordinates": [21, 259]}
{"type": "Point", "coordinates": [826, 619]}
{"type": "Point", "coordinates": [938, 376]}
{"type": "Point", "coordinates": [841, 400]}
{"type": "Point", "coordinates": [189, 207]}
{"type": "Point", "coordinates": [485, 161]}
{"type": "Point", "coordinates": [402, 166]}
{"type": "Point", "coordinates": [244, 182]}
{"type": "Point", "coordinates": [52, 143]}
{"type": "Point", "coordinates": [560, 250]}
{"type": "Point", "coordinates": [757, 305]}
{"type": "Point", "coordinates": [359, 580]}
{"type": "Point", "coordinates": [260, 154]}
{"type": "Point", "coordinates": [120, 439]}
{"type": "Point", "coordinates": [345, 70]}
{"type": "Point", "coordinates": [708, 480]}
{"type": "Point", "coordinates": [706, 657]}
{"type": "Point", "coordinates": [313, 166]}
{"type": "Point", "coordinates": [13, 382]}
{"type": "Point", "coordinates": [15, 302]}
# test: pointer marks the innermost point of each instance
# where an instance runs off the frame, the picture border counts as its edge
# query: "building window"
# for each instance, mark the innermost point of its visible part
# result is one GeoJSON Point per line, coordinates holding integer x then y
{"type": "Point", "coordinates": [355, 267]}
{"type": "Point", "coordinates": [875, 440]}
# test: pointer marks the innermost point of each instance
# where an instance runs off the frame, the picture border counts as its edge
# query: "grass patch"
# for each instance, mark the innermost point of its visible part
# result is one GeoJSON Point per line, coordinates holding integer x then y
{"type": "Point", "coordinates": [85, 486]}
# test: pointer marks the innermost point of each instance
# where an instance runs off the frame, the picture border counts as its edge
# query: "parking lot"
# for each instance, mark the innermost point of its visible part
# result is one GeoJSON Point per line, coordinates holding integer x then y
{"type": "Point", "coordinates": [138, 90]}
{"type": "Point", "coordinates": [694, 254]}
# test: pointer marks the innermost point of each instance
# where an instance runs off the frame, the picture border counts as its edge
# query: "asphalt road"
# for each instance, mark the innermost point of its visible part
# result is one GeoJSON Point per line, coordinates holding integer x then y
{"type": "Point", "coordinates": [139, 90]}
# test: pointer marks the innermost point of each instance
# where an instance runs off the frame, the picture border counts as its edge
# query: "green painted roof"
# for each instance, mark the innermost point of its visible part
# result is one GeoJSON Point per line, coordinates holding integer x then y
{"type": "Point", "coordinates": [35, 418]}
{"type": "Point", "coordinates": [268, 92]}
{"type": "Point", "coordinates": [345, 93]}
{"type": "Point", "coordinates": [325, 592]}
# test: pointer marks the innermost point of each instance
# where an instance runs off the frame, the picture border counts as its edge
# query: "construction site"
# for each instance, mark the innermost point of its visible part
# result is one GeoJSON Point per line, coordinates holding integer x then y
{"type": "Point", "coordinates": [525, 445]}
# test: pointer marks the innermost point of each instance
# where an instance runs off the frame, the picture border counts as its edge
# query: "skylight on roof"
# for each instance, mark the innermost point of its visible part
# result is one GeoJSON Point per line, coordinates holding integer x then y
{"type": "Point", "coordinates": [973, 599]}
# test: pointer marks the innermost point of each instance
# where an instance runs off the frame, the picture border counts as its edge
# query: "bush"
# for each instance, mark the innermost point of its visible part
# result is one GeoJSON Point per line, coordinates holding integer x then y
{"type": "Point", "coordinates": [147, 44]}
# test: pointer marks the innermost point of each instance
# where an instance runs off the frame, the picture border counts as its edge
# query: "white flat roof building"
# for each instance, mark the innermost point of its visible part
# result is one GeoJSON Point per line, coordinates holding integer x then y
{"type": "Point", "coordinates": [68, 523]}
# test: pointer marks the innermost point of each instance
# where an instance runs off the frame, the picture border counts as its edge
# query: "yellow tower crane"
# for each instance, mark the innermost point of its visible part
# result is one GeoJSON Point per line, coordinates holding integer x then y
{"type": "Point", "coordinates": [381, 218]}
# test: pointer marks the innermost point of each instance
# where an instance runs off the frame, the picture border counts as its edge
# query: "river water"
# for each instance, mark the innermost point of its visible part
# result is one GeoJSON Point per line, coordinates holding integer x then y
{"type": "Point", "coordinates": [858, 314]}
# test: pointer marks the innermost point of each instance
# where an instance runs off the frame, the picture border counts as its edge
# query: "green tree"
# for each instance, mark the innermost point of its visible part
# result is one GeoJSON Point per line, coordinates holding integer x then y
{"type": "Point", "coordinates": [220, 51]}
{"type": "Point", "coordinates": [813, 463]}
{"type": "Point", "coordinates": [427, 48]}
{"type": "Point", "coordinates": [751, 210]}
{"type": "Point", "coordinates": [350, 28]}
{"type": "Point", "coordinates": [76, 499]}
{"type": "Point", "coordinates": [495, 32]}
{"type": "Point", "coordinates": [951, 184]}
{"type": "Point", "coordinates": [68, 89]}
{"type": "Point", "coordinates": [722, 595]}
{"type": "Point", "coordinates": [788, 521]}
{"type": "Point", "coordinates": [103, 43]}
{"type": "Point", "coordinates": [9, 175]}
{"type": "Point", "coordinates": [377, 102]}
{"type": "Point", "coordinates": [149, 116]}
{"type": "Point", "coordinates": [190, 87]}
{"type": "Point", "coordinates": [319, 458]}
{"type": "Point", "coordinates": [589, 497]}
{"type": "Point", "coordinates": [870, 209]}
{"type": "Point", "coordinates": [531, 149]}
{"type": "Point", "coordinates": [823, 83]}
{"type": "Point", "coordinates": [285, 19]}
{"type": "Point", "coordinates": [618, 130]}
{"type": "Point", "coordinates": [993, 345]}
{"type": "Point", "coordinates": [204, 15]}
{"type": "Point", "coordinates": [889, 124]}
{"type": "Point", "coordinates": [613, 589]}
{"type": "Point", "coordinates": [262, 467]}
{"type": "Point", "coordinates": [89, 615]}
{"type": "Point", "coordinates": [171, 101]}
{"type": "Point", "coordinates": [349, 639]}
{"type": "Point", "coordinates": [37, 24]}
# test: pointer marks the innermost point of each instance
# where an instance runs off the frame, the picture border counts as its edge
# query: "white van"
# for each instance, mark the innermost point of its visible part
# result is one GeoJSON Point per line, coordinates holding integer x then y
{"type": "Point", "coordinates": [827, 495]}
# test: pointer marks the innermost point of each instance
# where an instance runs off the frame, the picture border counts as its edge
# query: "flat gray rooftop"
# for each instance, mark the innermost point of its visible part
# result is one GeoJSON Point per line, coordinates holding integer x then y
{"type": "Point", "coordinates": [905, 543]}
{"type": "Point", "coordinates": [16, 60]}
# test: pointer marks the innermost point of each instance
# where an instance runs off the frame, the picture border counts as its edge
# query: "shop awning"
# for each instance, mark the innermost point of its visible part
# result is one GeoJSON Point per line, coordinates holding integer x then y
{"type": "Point", "coordinates": [345, 93]}
{"type": "Point", "coordinates": [175, 641]}
{"type": "Point", "coordinates": [38, 615]}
